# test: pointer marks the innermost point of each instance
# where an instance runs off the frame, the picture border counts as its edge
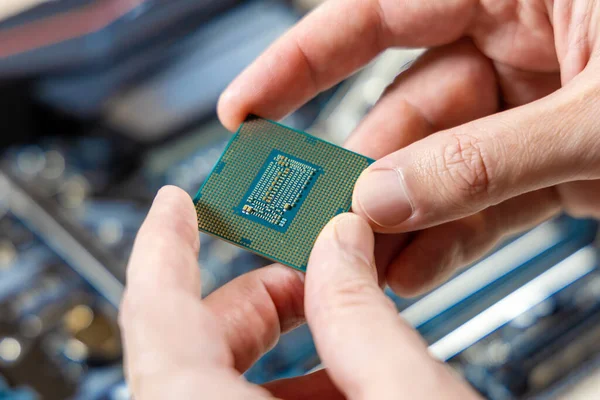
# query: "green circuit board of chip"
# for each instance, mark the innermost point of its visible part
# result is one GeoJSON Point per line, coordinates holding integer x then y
{"type": "Point", "coordinates": [275, 188]}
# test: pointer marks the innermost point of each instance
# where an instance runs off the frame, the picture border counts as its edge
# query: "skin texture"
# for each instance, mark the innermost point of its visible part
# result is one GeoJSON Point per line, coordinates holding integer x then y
{"type": "Point", "coordinates": [180, 346]}
{"type": "Point", "coordinates": [493, 130]}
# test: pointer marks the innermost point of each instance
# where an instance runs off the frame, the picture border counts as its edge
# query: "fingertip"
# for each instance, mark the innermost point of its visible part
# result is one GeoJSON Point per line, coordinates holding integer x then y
{"type": "Point", "coordinates": [349, 220]}
{"type": "Point", "coordinates": [165, 252]}
{"type": "Point", "coordinates": [344, 248]}
{"type": "Point", "coordinates": [349, 232]}
{"type": "Point", "coordinates": [173, 211]}
{"type": "Point", "coordinates": [171, 194]}
{"type": "Point", "coordinates": [351, 224]}
{"type": "Point", "coordinates": [229, 110]}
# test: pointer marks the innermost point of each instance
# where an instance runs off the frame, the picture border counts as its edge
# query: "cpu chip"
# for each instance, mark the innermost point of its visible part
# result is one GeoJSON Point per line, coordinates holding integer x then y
{"type": "Point", "coordinates": [275, 188]}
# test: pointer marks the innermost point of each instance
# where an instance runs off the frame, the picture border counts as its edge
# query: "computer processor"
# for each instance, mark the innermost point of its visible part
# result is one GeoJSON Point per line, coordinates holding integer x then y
{"type": "Point", "coordinates": [274, 189]}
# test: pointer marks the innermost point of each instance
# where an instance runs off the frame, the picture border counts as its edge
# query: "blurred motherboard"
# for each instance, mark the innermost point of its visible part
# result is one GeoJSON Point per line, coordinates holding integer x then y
{"type": "Point", "coordinates": [95, 122]}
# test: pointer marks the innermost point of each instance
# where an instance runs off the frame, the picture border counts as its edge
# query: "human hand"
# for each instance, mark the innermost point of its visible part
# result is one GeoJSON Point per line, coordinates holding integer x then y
{"type": "Point", "coordinates": [179, 346]}
{"type": "Point", "coordinates": [478, 138]}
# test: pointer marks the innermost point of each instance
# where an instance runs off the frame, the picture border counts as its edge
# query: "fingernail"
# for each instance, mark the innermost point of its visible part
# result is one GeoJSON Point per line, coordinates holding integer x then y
{"type": "Point", "coordinates": [383, 198]}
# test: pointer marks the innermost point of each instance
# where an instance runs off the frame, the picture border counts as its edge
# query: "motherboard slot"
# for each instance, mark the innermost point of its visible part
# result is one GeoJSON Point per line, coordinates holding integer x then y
{"type": "Point", "coordinates": [73, 244]}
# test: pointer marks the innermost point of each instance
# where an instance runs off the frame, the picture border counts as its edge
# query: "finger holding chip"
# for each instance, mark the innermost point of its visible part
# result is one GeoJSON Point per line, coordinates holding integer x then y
{"type": "Point", "coordinates": [332, 42]}
{"type": "Point", "coordinates": [180, 346]}
{"type": "Point", "coordinates": [177, 345]}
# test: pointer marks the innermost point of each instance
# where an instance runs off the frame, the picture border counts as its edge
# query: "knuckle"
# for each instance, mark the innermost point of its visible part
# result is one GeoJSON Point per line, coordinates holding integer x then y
{"type": "Point", "coordinates": [351, 257]}
{"type": "Point", "coordinates": [355, 291]}
{"type": "Point", "coordinates": [465, 165]}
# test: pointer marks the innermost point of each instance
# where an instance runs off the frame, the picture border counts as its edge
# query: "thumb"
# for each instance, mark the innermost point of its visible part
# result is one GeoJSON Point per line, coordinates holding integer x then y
{"type": "Point", "coordinates": [458, 172]}
{"type": "Point", "coordinates": [368, 350]}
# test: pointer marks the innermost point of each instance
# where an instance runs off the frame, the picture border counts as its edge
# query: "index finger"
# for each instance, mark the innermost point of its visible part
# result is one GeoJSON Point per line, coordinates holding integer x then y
{"type": "Point", "coordinates": [165, 252]}
{"type": "Point", "coordinates": [163, 284]}
{"type": "Point", "coordinates": [176, 343]}
{"type": "Point", "coordinates": [331, 43]}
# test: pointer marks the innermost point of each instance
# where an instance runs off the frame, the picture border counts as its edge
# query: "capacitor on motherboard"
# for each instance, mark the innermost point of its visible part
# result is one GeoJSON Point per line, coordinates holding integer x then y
{"type": "Point", "coordinates": [73, 191]}
{"type": "Point", "coordinates": [93, 338]}
{"type": "Point", "coordinates": [55, 165]}
{"type": "Point", "coordinates": [8, 253]}
{"type": "Point", "coordinates": [10, 349]}
{"type": "Point", "coordinates": [30, 161]}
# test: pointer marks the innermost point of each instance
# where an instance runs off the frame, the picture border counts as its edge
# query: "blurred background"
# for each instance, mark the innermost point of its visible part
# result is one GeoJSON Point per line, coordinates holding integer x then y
{"type": "Point", "coordinates": [104, 101]}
